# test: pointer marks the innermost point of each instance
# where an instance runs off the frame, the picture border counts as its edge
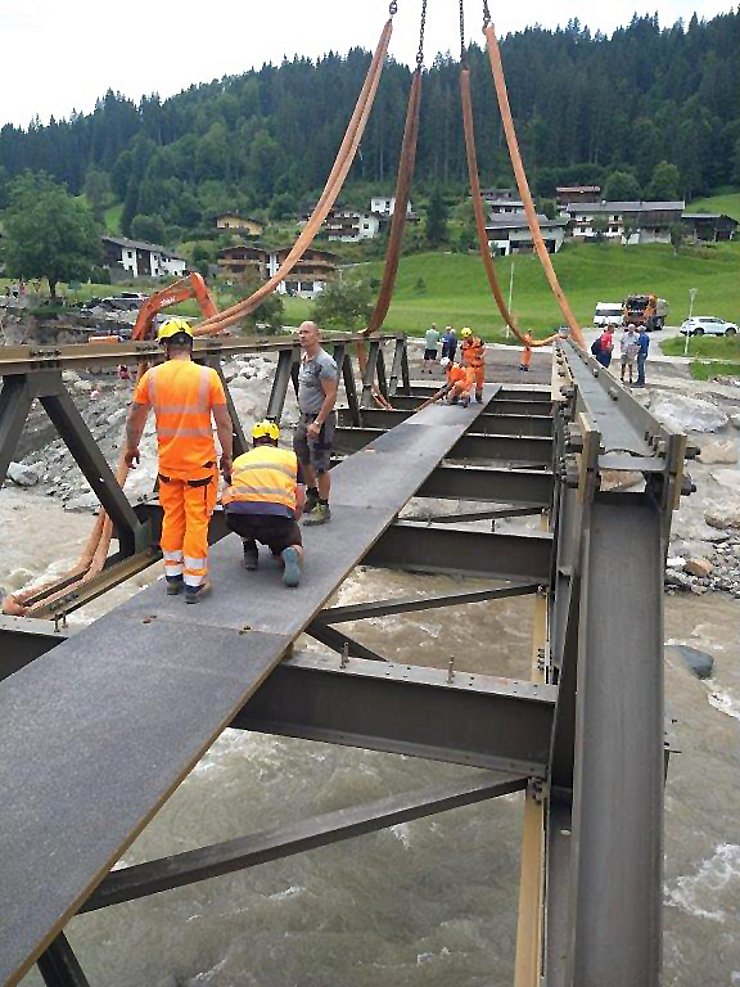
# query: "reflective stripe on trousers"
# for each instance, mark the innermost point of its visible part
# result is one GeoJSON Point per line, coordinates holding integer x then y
{"type": "Point", "coordinates": [187, 512]}
{"type": "Point", "coordinates": [173, 563]}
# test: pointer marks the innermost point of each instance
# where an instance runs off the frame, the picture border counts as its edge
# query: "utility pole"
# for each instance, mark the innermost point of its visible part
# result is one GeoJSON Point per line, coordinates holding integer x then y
{"type": "Point", "coordinates": [692, 296]}
{"type": "Point", "coordinates": [511, 289]}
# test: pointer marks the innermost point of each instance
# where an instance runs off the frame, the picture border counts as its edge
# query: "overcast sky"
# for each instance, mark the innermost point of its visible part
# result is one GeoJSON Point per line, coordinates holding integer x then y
{"type": "Point", "coordinates": [56, 57]}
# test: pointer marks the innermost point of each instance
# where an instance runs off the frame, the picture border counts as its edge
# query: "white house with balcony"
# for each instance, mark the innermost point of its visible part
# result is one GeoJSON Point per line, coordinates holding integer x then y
{"type": "Point", "coordinates": [631, 222]}
{"type": "Point", "coordinates": [349, 226]}
{"type": "Point", "coordinates": [385, 206]}
{"type": "Point", "coordinates": [142, 260]}
{"type": "Point", "coordinates": [509, 233]}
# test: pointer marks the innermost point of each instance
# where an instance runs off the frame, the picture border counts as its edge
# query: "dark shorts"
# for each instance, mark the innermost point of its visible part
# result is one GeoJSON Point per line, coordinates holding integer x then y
{"type": "Point", "coordinates": [278, 533]}
{"type": "Point", "coordinates": [315, 452]}
{"type": "Point", "coordinates": [430, 354]}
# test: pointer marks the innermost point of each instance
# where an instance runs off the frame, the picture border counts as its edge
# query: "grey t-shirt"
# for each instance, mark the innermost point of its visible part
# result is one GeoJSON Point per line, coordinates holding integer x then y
{"type": "Point", "coordinates": [312, 372]}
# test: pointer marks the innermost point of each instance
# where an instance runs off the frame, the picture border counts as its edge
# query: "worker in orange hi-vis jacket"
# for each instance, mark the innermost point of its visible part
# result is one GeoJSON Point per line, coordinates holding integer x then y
{"type": "Point", "coordinates": [183, 395]}
{"type": "Point", "coordinates": [526, 352]}
{"type": "Point", "coordinates": [474, 356]}
{"type": "Point", "coordinates": [459, 382]}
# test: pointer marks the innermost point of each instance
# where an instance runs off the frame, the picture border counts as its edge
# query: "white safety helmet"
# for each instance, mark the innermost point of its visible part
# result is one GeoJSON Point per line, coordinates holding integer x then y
{"type": "Point", "coordinates": [445, 362]}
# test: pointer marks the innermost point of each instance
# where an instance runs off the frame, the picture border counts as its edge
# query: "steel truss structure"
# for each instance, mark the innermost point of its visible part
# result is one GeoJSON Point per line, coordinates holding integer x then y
{"type": "Point", "coordinates": [583, 738]}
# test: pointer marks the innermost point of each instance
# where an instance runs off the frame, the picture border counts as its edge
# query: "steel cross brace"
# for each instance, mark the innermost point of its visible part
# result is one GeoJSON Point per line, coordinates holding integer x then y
{"type": "Point", "coordinates": [291, 838]}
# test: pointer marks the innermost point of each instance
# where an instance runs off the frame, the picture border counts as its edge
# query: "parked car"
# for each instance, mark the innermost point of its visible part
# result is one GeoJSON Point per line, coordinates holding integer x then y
{"type": "Point", "coordinates": [707, 325]}
{"type": "Point", "coordinates": [127, 300]}
{"type": "Point", "coordinates": [607, 314]}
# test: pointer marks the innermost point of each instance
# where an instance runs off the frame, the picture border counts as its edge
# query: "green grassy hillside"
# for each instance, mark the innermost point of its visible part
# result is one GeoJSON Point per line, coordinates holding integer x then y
{"type": "Point", "coordinates": [452, 288]}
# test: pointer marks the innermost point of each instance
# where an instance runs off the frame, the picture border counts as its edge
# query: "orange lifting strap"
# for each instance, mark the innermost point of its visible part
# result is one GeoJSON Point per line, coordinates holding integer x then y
{"type": "Point", "coordinates": [334, 183]}
{"type": "Point", "coordinates": [525, 195]}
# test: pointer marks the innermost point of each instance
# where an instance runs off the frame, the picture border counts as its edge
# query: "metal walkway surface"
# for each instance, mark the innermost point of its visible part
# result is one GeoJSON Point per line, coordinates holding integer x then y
{"type": "Point", "coordinates": [98, 733]}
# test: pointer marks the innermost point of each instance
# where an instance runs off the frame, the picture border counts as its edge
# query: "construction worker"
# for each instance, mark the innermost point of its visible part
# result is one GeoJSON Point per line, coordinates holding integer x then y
{"type": "Point", "coordinates": [526, 352]}
{"type": "Point", "coordinates": [474, 356]}
{"type": "Point", "coordinates": [458, 384]}
{"type": "Point", "coordinates": [318, 379]}
{"type": "Point", "coordinates": [266, 495]}
{"type": "Point", "coordinates": [183, 396]}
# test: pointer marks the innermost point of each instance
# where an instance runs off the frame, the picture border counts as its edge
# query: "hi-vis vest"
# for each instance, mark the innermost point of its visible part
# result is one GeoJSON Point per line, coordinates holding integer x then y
{"type": "Point", "coordinates": [265, 475]}
{"type": "Point", "coordinates": [182, 394]}
{"type": "Point", "coordinates": [474, 352]}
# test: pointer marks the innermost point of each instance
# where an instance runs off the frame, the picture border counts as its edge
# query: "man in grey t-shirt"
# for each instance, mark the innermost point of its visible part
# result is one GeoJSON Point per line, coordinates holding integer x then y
{"type": "Point", "coordinates": [318, 380]}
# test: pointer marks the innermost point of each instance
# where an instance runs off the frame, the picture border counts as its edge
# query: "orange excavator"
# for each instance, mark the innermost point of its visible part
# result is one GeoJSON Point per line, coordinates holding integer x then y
{"type": "Point", "coordinates": [192, 286]}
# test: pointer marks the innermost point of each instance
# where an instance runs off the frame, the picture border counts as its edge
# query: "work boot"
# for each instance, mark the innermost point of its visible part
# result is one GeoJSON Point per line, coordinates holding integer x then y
{"type": "Point", "coordinates": [465, 401]}
{"type": "Point", "coordinates": [319, 515]}
{"type": "Point", "coordinates": [479, 398]}
{"type": "Point", "coordinates": [292, 570]}
{"type": "Point", "coordinates": [251, 556]}
{"type": "Point", "coordinates": [312, 499]}
{"type": "Point", "coordinates": [175, 585]}
{"type": "Point", "coordinates": [194, 594]}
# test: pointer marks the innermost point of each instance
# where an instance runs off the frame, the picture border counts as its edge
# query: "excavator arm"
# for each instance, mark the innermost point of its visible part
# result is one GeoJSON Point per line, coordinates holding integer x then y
{"type": "Point", "coordinates": [192, 286]}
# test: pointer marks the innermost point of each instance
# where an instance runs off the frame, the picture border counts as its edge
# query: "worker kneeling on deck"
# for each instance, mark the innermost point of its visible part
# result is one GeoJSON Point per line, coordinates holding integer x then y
{"type": "Point", "coordinates": [266, 495]}
{"type": "Point", "coordinates": [474, 356]}
{"type": "Point", "coordinates": [458, 384]}
{"type": "Point", "coordinates": [183, 395]}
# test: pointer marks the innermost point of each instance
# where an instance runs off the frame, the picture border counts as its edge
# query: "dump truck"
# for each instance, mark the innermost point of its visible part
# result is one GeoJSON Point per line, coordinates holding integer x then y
{"type": "Point", "coordinates": [645, 310]}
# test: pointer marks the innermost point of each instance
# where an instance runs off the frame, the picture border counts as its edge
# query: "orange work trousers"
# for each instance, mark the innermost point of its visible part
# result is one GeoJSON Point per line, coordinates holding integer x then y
{"type": "Point", "coordinates": [480, 374]}
{"type": "Point", "coordinates": [187, 506]}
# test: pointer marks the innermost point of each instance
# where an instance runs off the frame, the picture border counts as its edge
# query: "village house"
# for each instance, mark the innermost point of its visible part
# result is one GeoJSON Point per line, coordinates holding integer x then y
{"type": "Point", "coordinates": [138, 259]}
{"type": "Point", "coordinates": [573, 195]}
{"type": "Point", "coordinates": [307, 279]}
{"type": "Point", "coordinates": [239, 224]}
{"type": "Point", "coordinates": [709, 227]}
{"type": "Point", "coordinates": [350, 226]}
{"type": "Point", "coordinates": [509, 233]}
{"type": "Point", "coordinates": [385, 205]}
{"type": "Point", "coordinates": [630, 222]}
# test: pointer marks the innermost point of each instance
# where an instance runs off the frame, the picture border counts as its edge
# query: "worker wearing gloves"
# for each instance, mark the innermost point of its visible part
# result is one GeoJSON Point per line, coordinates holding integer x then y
{"type": "Point", "coordinates": [183, 395]}
{"type": "Point", "coordinates": [474, 356]}
{"type": "Point", "coordinates": [266, 495]}
{"type": "Point", "coordinates": [458, 384]}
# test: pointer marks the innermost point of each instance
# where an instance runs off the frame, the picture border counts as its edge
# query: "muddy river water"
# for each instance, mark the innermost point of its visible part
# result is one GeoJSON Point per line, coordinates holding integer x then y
{"type": "Point", "coordinates": [430, 903]}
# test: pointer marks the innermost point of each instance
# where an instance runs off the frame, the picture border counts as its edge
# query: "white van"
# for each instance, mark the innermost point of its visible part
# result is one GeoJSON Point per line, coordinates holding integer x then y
{"type": "Point", "coordinates": [607, 313]}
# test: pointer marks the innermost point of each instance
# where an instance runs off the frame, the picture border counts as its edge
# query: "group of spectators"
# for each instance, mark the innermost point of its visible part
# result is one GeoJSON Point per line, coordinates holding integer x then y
{"type": "Point", "coordinates": [432, 339]}
{"type": "Point", "coordinates": [633, 352]}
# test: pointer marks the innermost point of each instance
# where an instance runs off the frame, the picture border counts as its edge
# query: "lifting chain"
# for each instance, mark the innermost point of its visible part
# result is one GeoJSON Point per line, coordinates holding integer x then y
{"type": "Point", "coordinates": [463, 53]}
{"type": "Point", "coordinates": [486, 15]}
{"type": "Point", "coordinates": [393, 8]}
{"type": "Point", "coordinates": [420, 52]}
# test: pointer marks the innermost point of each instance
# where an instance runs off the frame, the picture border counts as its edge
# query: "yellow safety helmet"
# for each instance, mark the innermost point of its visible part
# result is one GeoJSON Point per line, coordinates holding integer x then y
{"type": "Point", "coordinates": [172, 327]}
{"type": "Point", "coordinates": [266, 429]}
{"type": "Point", "coordinates": [467, 331]}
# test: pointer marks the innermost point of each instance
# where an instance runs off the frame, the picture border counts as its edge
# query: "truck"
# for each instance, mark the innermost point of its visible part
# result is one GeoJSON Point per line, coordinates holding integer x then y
{"type": "Point", "coordinates": [645, 310]}
{"type": "Point", "coordinates": [607, 314]}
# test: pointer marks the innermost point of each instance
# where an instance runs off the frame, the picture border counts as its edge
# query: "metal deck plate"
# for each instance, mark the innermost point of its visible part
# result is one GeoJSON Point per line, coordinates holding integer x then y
{"type": "Point", "coordinates": [96, 735]}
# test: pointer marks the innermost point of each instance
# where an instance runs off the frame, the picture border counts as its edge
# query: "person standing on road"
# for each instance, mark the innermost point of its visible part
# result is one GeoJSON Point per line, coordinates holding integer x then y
{"type": "Point", "coordinates": [183, 395]}
{"type": "Point", "coordinates": [526, 358]}
{"type": "Point", "coordinates": [318, 380]}
{"type": "Point", "coordinates": [606, 346]}
{"type": "Point", "coordinates": [628, 353]}
{"type": "Point", "coordinates": [643, 345]}
{"type": "Point", "coordinates": [431, 342]}
{"type": "Point", "coordinates": [449, 343]}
